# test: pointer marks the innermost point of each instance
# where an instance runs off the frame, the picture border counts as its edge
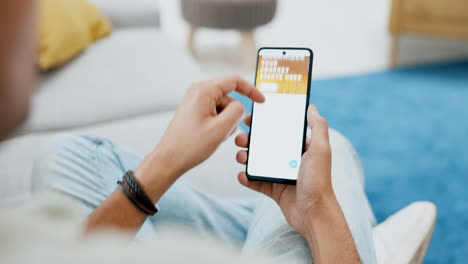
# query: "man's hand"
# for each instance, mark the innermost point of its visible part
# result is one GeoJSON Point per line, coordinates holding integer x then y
{"type": "Point", "coordinates": [310, 207]}
{"type": "Point", "coordinates": [314, 179]}
{"type": "Point", "coordinates": [206, 116]}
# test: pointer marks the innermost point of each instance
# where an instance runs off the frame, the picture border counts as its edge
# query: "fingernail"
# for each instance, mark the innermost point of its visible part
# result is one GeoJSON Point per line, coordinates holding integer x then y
{"type": "Point", "coordinates": [316, 109]}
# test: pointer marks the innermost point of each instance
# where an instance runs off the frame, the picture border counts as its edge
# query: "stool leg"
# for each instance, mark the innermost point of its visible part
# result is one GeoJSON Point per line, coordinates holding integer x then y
{"type": "Point", "coordinates": [394, 51]}
{"type": "Point", "coordinates": [191, 40]}
{"type": "Point", "coordinates": [249, 48]}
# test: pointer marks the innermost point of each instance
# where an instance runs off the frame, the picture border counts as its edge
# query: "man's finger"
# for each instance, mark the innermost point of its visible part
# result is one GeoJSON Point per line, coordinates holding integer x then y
{"type": "Point", "coordinates": [262, 187]}
{"type": "Point", "coordinates": [248, 120]}
{"type": "Point", "coordinates": [233, 131]}
{"type": "Point", "coordinates": [241, 86]}
{"type": "Point", "coordinates": [319, 141]}
{"type": "Point", "coordinates": [242, 140]}
{"type": "Point", "coordinates": [318, 124]}
{"type": "Point", "coordinates": [229, 117]}
{"type": "Point", "coordinates": [241, 156]}
{"type": "Point", "coordinates": [225, 100]}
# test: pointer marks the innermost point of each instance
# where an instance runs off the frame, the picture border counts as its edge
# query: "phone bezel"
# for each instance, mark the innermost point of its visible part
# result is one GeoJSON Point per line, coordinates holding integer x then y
{"type": "Point", "coordinates": [304, 135]}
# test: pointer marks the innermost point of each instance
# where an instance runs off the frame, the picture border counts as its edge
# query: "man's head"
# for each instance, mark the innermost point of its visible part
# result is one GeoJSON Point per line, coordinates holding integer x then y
{"type": "Point", "coordinates": [17, 61]}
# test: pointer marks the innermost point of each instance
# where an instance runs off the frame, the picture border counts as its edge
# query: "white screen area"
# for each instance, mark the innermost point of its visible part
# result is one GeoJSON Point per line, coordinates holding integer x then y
{"type": "Point", "coordinates": [276, 137]}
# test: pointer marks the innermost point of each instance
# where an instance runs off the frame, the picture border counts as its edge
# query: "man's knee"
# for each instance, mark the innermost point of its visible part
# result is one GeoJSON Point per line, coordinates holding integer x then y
{"type": "Point", "coordinates": [61, 155]}
{"type": "Point", "coordinates": [347, 165]}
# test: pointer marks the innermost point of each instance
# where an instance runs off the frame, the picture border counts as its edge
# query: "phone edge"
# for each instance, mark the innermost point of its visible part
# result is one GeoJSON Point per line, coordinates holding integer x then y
{"type": "Point", "coordinates": [309, 88]}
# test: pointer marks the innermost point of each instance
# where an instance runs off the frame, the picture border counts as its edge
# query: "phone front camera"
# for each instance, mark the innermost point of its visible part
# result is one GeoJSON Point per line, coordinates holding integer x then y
{"type": "Point", "coordinates": [284, 52]}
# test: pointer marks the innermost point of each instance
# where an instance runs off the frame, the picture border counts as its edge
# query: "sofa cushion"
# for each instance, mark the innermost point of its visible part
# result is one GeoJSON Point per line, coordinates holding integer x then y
{"type": "Point", "coordinates": [129, 73]}
{"type": "Point", "coordinates": [130, 13]}
{"type": "Point", "coordinates": [67, 28]}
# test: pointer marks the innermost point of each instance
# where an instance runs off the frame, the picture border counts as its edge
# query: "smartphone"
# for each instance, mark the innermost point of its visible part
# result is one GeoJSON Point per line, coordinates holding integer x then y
{"type": "Point", "coordinates": [278, 128]}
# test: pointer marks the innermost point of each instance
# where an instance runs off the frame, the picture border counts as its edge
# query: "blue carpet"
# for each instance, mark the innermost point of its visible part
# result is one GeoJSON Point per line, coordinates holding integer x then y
{"type": "Point", "coordinates": [410, 127]}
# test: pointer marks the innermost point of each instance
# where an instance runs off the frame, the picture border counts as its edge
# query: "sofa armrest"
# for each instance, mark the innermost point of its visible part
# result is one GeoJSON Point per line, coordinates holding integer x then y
{"type": "Point", "coordinates": [130, 13]}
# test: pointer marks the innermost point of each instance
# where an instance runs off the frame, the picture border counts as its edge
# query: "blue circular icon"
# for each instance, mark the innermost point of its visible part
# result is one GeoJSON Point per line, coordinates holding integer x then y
{"type": "Point", "coordinates": [293, 164]}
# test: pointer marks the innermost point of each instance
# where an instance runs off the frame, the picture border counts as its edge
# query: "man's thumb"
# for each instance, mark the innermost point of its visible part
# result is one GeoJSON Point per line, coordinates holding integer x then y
{"type": "Point", "coordinates": [230, 116]}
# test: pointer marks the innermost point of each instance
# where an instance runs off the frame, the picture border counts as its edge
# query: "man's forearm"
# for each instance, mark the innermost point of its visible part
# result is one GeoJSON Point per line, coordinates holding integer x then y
{"type": "Point", "coordinates": [328, 234]}
{"type": "Point", "coordinates": [118, 212]}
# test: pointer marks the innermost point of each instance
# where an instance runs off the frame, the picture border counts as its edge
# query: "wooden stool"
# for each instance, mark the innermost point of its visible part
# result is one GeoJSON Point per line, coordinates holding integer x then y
{"type": "Point", "coordinates": [241, 15]}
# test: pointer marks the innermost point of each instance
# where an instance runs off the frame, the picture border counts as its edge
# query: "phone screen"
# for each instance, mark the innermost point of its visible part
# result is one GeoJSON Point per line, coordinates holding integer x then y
{"type": "Point", "coordinates": [277, 133]}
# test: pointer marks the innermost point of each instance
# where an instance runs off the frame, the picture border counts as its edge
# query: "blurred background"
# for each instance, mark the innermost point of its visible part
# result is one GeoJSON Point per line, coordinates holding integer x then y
{"type": "Point", "coordinates": [390, 75]}
{"type": "Point", "coordinates": [347, 37]}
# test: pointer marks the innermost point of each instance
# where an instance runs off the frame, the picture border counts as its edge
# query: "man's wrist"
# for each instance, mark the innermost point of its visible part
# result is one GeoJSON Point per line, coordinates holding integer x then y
{"type": "Point", "coordinates": [156, 175]}
{"type": "Point", "coordinates": [328, 235]}
{"type": "Point", "coordinates": [323, 210]}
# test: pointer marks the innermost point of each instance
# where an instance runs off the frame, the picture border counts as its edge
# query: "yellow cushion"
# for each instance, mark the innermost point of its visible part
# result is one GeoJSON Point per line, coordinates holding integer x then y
{"type": "Point", "coordinates": [68, 27]}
